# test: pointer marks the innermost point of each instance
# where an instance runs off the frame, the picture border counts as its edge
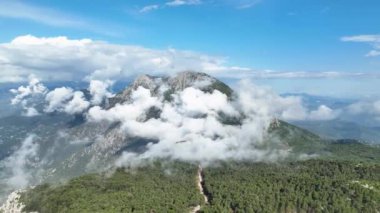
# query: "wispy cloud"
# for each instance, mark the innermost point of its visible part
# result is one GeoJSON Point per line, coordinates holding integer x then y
{"type": "Point", "coordinates": [149, 8]}
{"type": "Point", "coordinates": [373, 40]}
{"type": "Point", "coordinates": [362, 38]}
{"type": "Point", "coordinates": [19, 10]}
{"type": "Point", "coordinates": [234, 72]}
{"type": "Point", "coordinates": [176, 3]}
{"type": "Point", "coordinates": [49, 16]}
{"type": "Point", "coordinates": [236, 4]}
{"type": "Point", "coordinates": [172, 3]}
{"type": "Point", "coordinates": [247, 4]}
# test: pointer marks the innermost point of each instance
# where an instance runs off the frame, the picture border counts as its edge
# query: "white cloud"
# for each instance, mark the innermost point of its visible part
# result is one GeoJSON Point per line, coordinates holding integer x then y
{"type": "Point", "coordinates": [66, 100]}
{"type": "Point", "coordinates": [20, 161]}
{"type": "Point", "coordinates": [58, 98]}
{"type": "Point", "coordinates": [241, 73]}
{"type": "Point", "coordinates": [20, 10]}
{"type": "Point", "coordinates": [77, 104]}
{"type": "Point", "coordinates": [99, 90]}
{"type": "Point", "coordinates": [260, 100]}
{"type": "Point", "coordinates": [59, 42]}
{"type": "Point", "coordinates": [195, 101]}
{"type": "Point", "coordinates": [30, 112]}
{"type": "Point", "coordinates": [238, 4]}
{"type": "Point", "coordinates": [365, 107]}
{"type": "Point", "coordinates": [189, 128]}
{"type": "Point", "coordinates": [63, 99]}
{"type": "Point", "coordinates": [149, 8]}
{"type": "Point", "coordinates": [141, 101]}
{"type": "Point", "coordinates": [290, 108]}
{"type": "Point", "coordinates": [373, 40]}
{"type": "Point", "coordinates": [246, 4]}
{"type": "Point", "coordinates": [362, 38]}
{"type": "Point", "coordinates": [373, 53]}
{"type": "Point", "coordinates": [61, 58]}
{"type": "Point", "coordinates": [35, 87]}
{"type": "Point", "coordinates": [173, 3]}
{"type": "Point", "coordinates": [323, 113]}
{"type": "Point", "coordinates": [16, 9]}
{"type": "Point", "coordinates": [24, 95]}
{"type": "Point", "coordinates": [176, 3]}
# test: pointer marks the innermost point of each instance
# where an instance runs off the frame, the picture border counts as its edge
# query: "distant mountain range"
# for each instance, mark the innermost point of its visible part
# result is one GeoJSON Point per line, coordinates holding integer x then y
{"type": "Point", "coordinates": [340, 129]}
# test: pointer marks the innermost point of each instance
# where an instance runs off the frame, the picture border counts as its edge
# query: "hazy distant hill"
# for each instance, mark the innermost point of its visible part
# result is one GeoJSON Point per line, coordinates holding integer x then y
{"type": "Point", "coordinates": [339, 129]}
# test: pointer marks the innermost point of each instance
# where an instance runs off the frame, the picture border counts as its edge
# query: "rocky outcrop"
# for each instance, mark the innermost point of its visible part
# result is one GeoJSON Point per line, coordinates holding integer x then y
{"type": "Point", "coordinates": [190, 79]}
{"type": "Point", "coordinates": [164, 86]}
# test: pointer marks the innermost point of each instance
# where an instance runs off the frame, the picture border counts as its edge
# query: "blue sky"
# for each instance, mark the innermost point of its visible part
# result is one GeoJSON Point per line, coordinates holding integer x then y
{"type": "Point", "coordinates": [284, 36]}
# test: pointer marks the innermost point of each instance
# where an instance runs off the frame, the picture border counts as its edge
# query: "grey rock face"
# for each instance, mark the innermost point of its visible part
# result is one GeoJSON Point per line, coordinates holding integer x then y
{"type": "Point", "coordinates": [170, 85]}
{"type": "Point", "coordinates": [188, 79]}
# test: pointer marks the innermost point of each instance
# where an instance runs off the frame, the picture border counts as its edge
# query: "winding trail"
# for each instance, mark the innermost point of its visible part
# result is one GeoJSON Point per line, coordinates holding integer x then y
{"type": "Point", "coordinates": [200, 184]}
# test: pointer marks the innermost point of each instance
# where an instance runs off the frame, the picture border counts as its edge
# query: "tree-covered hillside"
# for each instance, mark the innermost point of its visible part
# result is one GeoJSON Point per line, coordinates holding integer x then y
{"type": "Point", "coordinates": [154, 188]}
{"type": "Point", "coordinates": [308, 186]}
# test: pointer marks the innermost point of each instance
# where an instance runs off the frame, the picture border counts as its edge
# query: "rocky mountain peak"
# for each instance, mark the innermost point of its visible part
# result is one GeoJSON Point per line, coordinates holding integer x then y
{"type": "Point", "coordinates": [146, 81]}
{"type": "Point", "coordinates": [190, 78]}
{"type": "Point", "coordinates": [173, 84]}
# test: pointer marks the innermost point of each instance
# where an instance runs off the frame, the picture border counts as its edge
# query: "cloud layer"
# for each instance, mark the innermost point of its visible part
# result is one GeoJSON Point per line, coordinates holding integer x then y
{"type": "Point", "coordinates": [369, 107]}
{"type": "Point", "coordinates": [191, 128]}
{"type": "Point", "coordinates": [61, 58]}
{"type": "Point", "coordinates": [194, 126]}
{"type": "Point", "coordinates": [373, 40]}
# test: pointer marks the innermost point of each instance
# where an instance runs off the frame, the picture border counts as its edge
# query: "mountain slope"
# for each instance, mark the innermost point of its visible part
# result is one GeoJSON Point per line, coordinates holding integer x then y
{"type": "Point", "coordinates": [80, 147]}
{"type": "Point", "coordinates": [69, 146]}
{"type": "Point", "coordinates": [304, 186]}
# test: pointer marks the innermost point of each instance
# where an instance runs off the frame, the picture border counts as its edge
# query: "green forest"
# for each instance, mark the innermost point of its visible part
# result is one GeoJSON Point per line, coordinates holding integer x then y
{"type": "Point", "coordinates": [304, 186]}
{"type": "Point", "coordinates": [155, 188]}
{"type": "Point", "coordinates": [310, 186]}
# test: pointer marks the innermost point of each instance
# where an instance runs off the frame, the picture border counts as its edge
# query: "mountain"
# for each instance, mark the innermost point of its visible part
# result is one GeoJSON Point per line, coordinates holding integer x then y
{"type": "Point", "coordinates": [69, 146]}
{"type": "Point", "coordinates": [80, 147]}
{"type": "Point", "coordinates": [340, 129]}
